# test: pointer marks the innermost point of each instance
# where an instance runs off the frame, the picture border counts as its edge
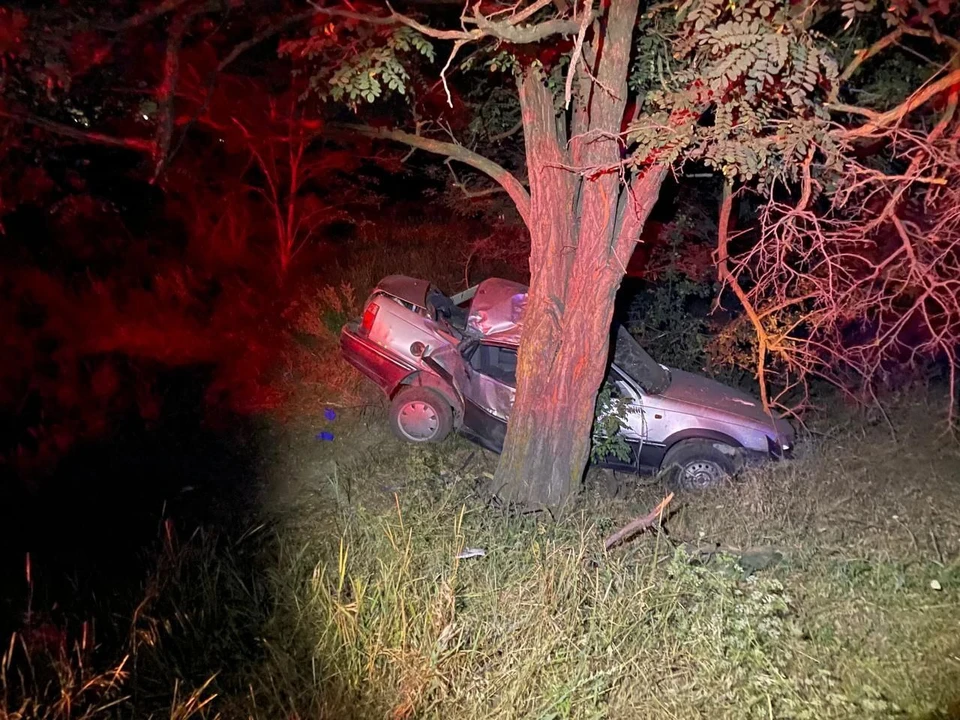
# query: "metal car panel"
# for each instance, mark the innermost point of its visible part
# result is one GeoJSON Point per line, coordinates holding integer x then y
{"type": "Point", "coordinates": [409, 289]}
{"type": "Point", "coordinates": [634, 360]}
{"type": "Point", "coordinates": [494, 396]}
{"type": "Point", "coordinates": [384, 368]}
{"type": "Point", "coordinates": [397, 328]}
{"type": "Point", "coordinates": [497, 310]}
{"type": "Point", "coordinates": [698, 390]}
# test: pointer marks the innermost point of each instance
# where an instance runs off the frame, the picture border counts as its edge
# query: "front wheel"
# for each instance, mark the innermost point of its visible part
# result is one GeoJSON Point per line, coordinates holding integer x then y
{"type": "Point", "coordinates": [421, 415]}
{"type": "Point", "coordinates": [698, 464]}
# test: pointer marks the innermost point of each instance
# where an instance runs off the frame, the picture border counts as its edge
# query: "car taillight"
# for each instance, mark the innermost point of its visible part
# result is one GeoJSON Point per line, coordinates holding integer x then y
{"type": "Point", "coordinates": [369, 315]}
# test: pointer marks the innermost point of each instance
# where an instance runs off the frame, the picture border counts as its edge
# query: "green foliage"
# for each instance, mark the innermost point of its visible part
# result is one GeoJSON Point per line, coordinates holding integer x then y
{"type": "Point", "coordinates": [664, 323]}
{"type": "Point", "coordinates": [610, 419]}
{"type": "Point", "coordinates": [497, 110]}
{"type": "Point", "coordinates": [741, 89]}
{"type": "Point", "coordinates": [503, 61]}
{"type": "Point", "coordinates": [654, 64]}
{"type": "Point", "coordinates": [372, 69]}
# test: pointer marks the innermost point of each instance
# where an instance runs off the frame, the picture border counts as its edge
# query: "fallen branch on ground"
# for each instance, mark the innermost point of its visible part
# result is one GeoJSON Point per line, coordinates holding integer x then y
{"type": "Point", "coordinates": [638, 524]}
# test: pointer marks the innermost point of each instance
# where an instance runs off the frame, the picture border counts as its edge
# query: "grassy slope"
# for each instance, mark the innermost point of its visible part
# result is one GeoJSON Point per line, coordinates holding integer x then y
{"type": "Point", "coordinates": [349, 602]}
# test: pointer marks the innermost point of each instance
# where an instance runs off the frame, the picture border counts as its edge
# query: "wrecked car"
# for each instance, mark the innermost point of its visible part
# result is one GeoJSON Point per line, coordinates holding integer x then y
{"type": "Point", "coordinates": [449, 364]}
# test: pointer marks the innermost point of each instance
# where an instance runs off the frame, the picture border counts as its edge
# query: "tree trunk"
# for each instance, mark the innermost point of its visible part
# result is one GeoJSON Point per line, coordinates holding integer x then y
{"type": "Point", "coordinates": [564, 353]}
{"type": "Point", "coordinates": [584, 223]}
{"type": "Point", "coordinates": [548, 438]}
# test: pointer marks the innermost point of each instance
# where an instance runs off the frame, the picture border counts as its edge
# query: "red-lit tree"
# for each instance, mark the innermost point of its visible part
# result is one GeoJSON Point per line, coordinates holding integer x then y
{"type": "Point", "coordinates": [746, 89]}
{"type": "Point", "coordinates": [290, 183]}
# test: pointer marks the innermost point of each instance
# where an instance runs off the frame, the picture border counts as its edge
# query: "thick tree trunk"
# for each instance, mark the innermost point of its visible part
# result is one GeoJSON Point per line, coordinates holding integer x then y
{"type": "Point", "coordinates": [584, 222]}
{"type": "Point", "coordinates": [563, 356]}
{"type": "Point", "coordinates": [548, 440]}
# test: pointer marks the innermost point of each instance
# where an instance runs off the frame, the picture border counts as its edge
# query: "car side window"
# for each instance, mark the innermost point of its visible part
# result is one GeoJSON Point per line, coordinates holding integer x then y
{"type": "Point", "coordinates": [496, 362]}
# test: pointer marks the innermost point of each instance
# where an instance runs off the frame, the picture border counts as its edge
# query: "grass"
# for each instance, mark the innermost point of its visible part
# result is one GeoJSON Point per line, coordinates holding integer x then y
{"type": "Point", "coordinates": [823, 588]}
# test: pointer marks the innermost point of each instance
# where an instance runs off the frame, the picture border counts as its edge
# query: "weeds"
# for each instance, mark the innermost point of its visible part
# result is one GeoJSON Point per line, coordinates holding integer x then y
{"type": "Point", "coordinates": [353, 604]}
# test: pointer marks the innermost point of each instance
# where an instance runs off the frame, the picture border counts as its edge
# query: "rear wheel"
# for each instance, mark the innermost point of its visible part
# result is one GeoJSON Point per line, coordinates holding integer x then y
{"type": "Point", "coordinates": [699, 463]}
{"type": "Point", "coordinates": [421, 415]}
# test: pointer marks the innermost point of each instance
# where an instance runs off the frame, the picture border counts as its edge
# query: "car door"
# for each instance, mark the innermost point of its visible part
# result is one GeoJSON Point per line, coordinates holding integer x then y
{"type": "Point", "coordinates": [652, 425]}
{"type": "Point", "coordinates": [484, 375]}
{"type": "Point", "coordinates": [492, 384]}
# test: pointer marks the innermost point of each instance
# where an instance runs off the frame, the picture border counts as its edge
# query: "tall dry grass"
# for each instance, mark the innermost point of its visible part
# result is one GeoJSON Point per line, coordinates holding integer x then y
{"type": "Point", "coordinates": [350, 601]}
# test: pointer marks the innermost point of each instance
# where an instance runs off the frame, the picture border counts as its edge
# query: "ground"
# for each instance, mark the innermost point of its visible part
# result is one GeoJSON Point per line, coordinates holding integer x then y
{"type": "Point", "coordinates": [828, 586]}
{"type": "Point", "coordinates": [823, 587]}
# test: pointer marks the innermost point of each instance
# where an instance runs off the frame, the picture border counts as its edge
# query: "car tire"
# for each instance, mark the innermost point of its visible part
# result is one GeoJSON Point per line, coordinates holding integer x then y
{"type": "Point", "coordinates": [421, 415]}
{"type": "Point", "coordinates": [697, 464]}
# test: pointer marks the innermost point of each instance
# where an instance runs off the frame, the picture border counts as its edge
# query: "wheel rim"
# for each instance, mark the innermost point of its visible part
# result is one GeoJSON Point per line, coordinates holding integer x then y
{"type": "Point", "coordinates": [702, 473]}
{"type": "Point", "coordinates": [418, 421]}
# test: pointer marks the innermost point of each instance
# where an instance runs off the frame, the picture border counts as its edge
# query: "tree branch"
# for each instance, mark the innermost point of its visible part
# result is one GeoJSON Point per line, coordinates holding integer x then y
{"type": "Point", "coordinates": [729, 279]}
{"type": "Point", "coordinates": [862, 56]}
{"type": "Point", "coordinates": [503, 177]}
{"type": "Point", "coordinates": [467, 192]}
{"type": "Point", "coordinates": [168, 88]}
{"type": "Point", "coordinates": [891, 38]}
{"type": "Point", "coordinates": [138, 144]}
{"type": "Point", "coordinates": [655, 516]}
{"type": "Point", "coordinates": [146, 16]}
{"type": "Point", "coordinates": [507, 133]}
{"type": "Point", "coordinates": [879, 121]}
{"type": "Point", "coordinates": [577, 52]}
{"type": "Point", "coordinates": [508, 30]}
{"type": "Point", "coordinates": [265, 34]}
{"type": "Point", "coordinates": [526, 33]}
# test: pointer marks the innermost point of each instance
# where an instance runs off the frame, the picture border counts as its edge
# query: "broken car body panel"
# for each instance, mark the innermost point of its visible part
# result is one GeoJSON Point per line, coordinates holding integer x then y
{"type": "Point", "coordinates": [496, 311]}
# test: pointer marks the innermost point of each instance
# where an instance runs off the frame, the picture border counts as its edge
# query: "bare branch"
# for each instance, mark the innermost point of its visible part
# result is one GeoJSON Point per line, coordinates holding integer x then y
{"type": "Point", "coordinates": [147, 16]}
{"type": "Point", "coordinates": [638, 524]}
{"type": "Point", "coordinates": [867, 279]}
{"type": "Point", "coordinates": [862, 56]}
{"type": "Point", "coordinates": [467, 192]}
{"type": "Point", "coordinates": [730, 280]}
{"type": "Point", "coordinates": [507, 133]}
{"type": "Point", "coordinates": [519, 17]}
{"type": "Point", "coordinates": [884, 120]}
{"type": "Point", "coordinates": [526, 34]}
{"type": "Point", "coordinates": [265, 34]}
{"type": "Point", "coordinates": [503, 177]}
{"type": "Point", "coordinates": [138, 144]}
{"type": "Point", "coordinates": [168, 88]}
{"type": "Point", "coordinates": [577, 51]}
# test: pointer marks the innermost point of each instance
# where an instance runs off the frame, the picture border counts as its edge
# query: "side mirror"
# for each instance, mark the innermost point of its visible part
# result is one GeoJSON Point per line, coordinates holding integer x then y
{"type": "Point", "coordinates": [418, 349]}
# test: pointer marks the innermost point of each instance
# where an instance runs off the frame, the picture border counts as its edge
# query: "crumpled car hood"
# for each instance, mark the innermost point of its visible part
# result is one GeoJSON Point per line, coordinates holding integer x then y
{"type": "Point", "coordinates": [698, 390]}
{"type": "Point", "coordinates": [496, 311]}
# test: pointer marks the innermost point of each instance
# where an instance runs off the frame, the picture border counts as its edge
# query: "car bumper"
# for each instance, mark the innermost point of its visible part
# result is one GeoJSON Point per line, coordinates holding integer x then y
{"type": "Point", "coordinates": [385, 370]}
{"type": "Point", "coordinates": [773, 453]}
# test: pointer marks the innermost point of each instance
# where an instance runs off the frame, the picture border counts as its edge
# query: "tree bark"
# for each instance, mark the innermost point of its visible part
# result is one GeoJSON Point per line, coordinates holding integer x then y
{"type": "Point", "coordinates": [564, 352]}
{"type": "Point", "coordinates": [584, 223]}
